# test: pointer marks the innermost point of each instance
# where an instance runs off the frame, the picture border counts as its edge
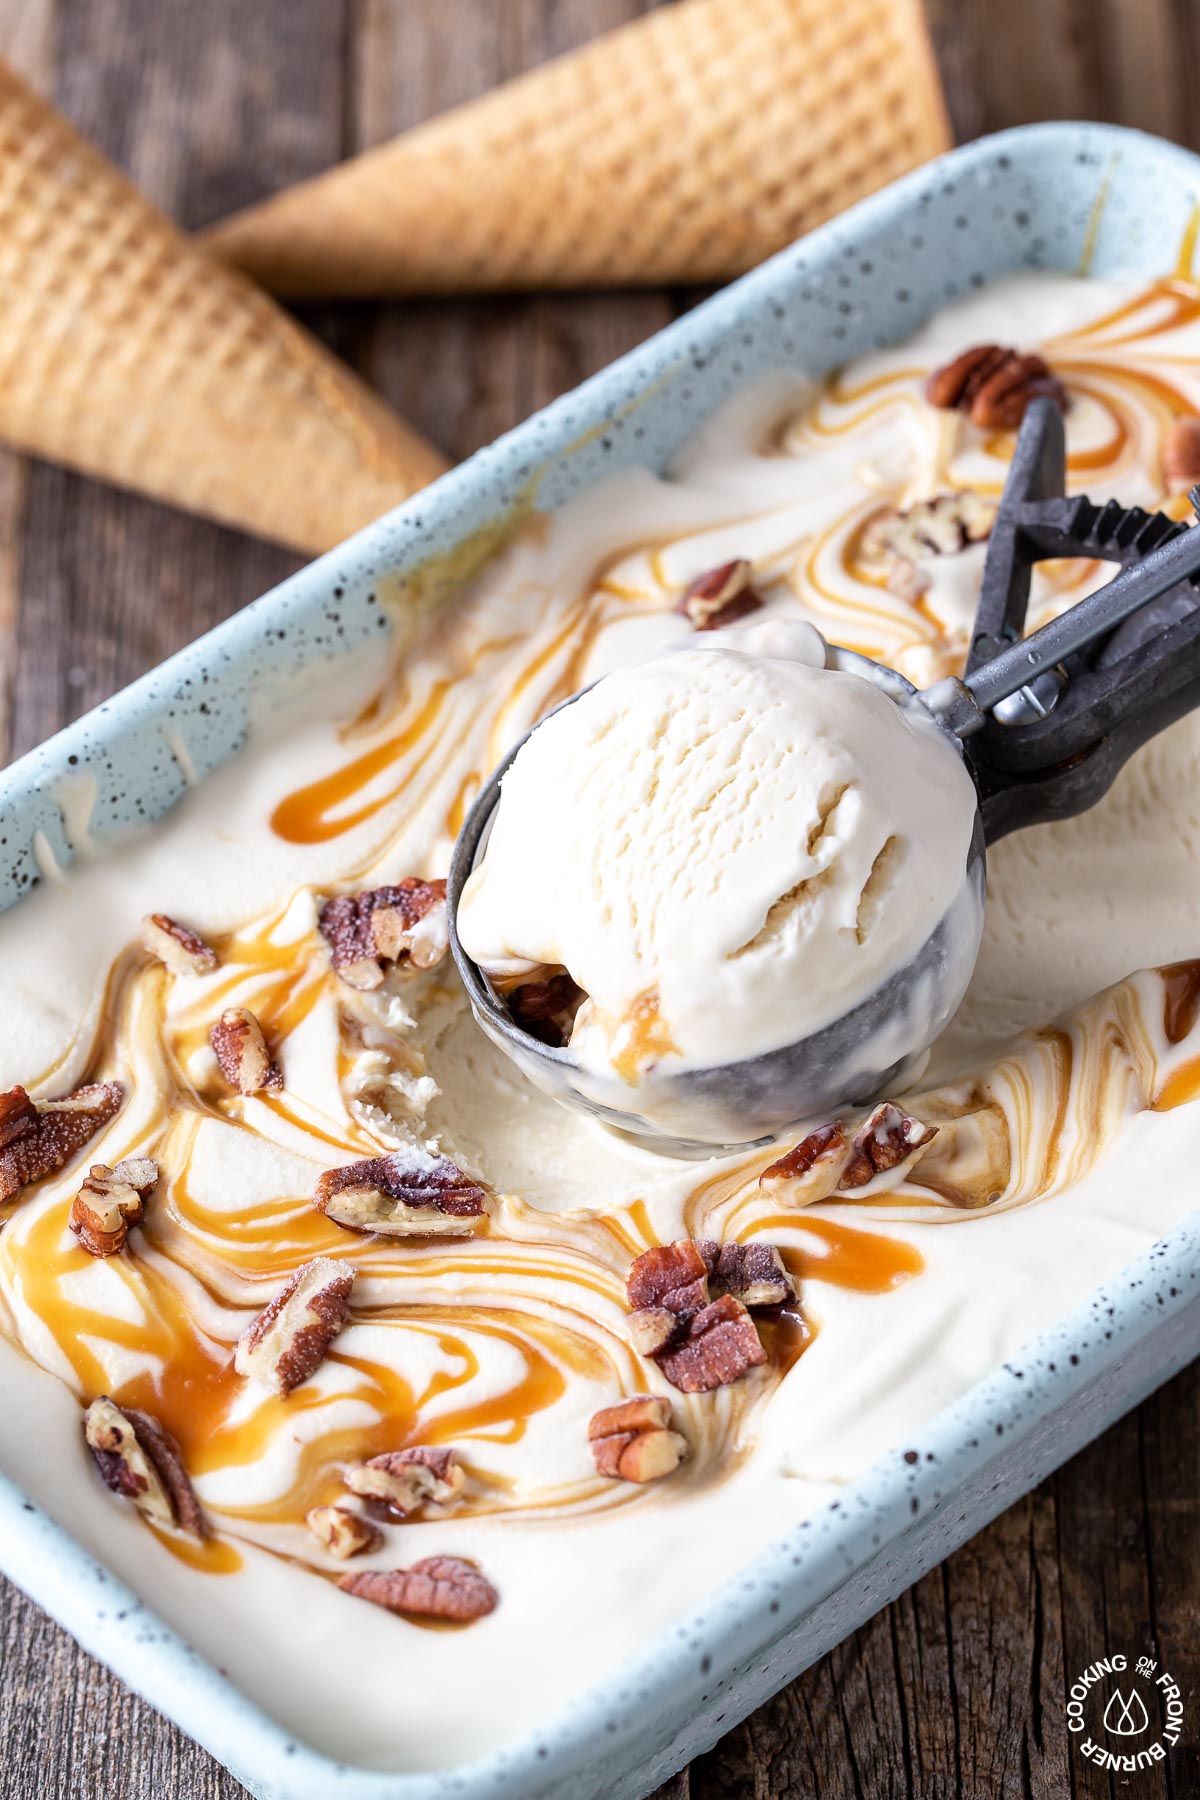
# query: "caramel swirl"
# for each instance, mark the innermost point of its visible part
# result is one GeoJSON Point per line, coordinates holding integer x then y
{"type": "Point", "coordinates": [502, 1343]}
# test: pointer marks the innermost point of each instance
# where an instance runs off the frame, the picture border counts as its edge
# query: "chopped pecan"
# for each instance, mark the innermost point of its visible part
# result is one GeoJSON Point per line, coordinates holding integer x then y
{"type": "Point", "coordinates": [141, 1461]}
{"type": "Point", "coordinates": [953, 385]}
{"type": "Point", "coordinates": [110, 1201]}
{"type": "Point", "coordinates": [141, 1172]}
{"type": "Point", "coordinates": [437, 1587]}
{"type": "Point", "coordinates": [177, 946]}
{"type": "Point", "coordinates": [717, 1345]}
{"type": "Point", "coordinates": [18, 1117]}
{"type": "Point", "coordinates": [546, 1009]}
{"type": "Point", "coordinates": [342, 1532]}
{"type": "Point", "coordinates": [634, 1441]}
{"type": "Point", "coordinates": [651, 1329]}
{"type": "Point", "coordinates": [674, 1276]}
{"type": "Point", "coordinates": [287, 1342]}
{"type": "Point", "coordinates": [409, 1193]}
{"type": "Point", "coordinates": [697, 1342]}
{"type": "Point", "coordinates": [241, 1052]}
{"type": "Point", "coordinates": [886, 1138]}
{"type": "Point", "coordinates": [401, 926]}
{"type": "Point", "coordinates": [827, 1162]}
{"type": "Point", "coordinates": [753, 1274]}
{"type": "Point", "coordinates": [404, 1480]}
{"type": "Point", "coordinates": [720, 596]}
{"type": "Point", "coordinates": [36, 1148]}
{"type": "Point", "coordinates": [823, 1153]}
{"type": "Point", "coordinates": [1181, 455]}
{"type": "Point", "coordinates": [940, 526]}
{"type": "Point", "coordinates": [993, 384]}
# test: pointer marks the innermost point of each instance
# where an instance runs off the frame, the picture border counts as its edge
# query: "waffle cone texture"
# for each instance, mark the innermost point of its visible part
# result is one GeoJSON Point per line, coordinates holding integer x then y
{"type": "Point", "coordinates": [684, 147]}
{"type": "Point", "coordinates": [127, 353]}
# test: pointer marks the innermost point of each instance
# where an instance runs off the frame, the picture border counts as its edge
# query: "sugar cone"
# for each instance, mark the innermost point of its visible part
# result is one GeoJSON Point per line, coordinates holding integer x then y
{"type": "Point", "coordinates": [684, 147]}
{"type": "Point", "coordinates": [129, 354]}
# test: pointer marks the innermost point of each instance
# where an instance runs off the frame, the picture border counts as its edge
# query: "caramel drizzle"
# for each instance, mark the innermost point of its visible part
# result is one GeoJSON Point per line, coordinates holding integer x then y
{"type": "Point", "coordinates": [825, 571]}
{"type": "Point", "coordinates": [318, 812]}
{"type": "Point", "coordinates": [195, 1259]}
{"type": "Point", "coordinates": [847, 596]}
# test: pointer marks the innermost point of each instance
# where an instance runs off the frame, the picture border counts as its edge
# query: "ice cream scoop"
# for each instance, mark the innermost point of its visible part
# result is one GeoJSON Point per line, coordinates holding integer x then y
{"type": "Point", "coordinates": [762, 862]}
{"type": "Point", "coordinates": [728, 847]}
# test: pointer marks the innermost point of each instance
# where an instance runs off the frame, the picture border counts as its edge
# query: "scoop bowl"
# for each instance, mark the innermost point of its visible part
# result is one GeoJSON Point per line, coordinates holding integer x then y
{"type": "Point", "coordinates": [700, 1112]}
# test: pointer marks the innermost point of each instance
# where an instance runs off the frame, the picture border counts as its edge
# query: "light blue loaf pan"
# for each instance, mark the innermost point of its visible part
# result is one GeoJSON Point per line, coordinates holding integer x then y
{"type": "Point", "coordinates": [1044, 196]}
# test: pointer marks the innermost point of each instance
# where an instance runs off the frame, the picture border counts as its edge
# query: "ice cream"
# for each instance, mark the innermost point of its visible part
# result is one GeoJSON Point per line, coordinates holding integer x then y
{"type": "Point", "coordinates": [1057, 1158]}
{"type": "Point", "coordinates": [726, 847]}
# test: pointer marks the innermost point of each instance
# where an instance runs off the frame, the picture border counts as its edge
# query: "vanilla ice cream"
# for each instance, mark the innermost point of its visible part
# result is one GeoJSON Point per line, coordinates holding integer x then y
{"type": "Point", "coordinates": [1057, 1160]}
{"type": "Point", "coordinates": [727, 847]}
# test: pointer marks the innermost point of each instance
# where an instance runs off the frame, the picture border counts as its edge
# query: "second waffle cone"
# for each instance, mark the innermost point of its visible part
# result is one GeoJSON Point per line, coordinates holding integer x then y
{"type": "Point", "coordinates": [684, 147]}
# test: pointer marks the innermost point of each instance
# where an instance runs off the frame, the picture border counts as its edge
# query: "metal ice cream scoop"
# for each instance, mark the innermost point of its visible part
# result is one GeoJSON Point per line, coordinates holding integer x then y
{"type": "Point", "coordinates": [1044, 723]}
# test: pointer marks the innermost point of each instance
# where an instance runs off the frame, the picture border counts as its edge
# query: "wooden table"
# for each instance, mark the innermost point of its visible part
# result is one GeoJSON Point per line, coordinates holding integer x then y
{"type": "Point", "coordinates": [959, 1688]}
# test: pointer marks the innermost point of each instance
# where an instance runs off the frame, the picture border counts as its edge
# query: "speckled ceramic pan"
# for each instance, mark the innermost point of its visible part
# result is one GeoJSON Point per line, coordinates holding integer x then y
{"type": "Point", "coordinates": [1062, 196]}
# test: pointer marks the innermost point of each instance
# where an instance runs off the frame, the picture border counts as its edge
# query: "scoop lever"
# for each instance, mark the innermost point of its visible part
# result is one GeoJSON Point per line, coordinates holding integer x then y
{"type": "Point", "coordinates": [962, 704]}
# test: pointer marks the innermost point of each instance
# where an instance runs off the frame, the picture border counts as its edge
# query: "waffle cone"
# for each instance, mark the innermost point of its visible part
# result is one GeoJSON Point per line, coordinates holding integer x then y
{"type": "Point", "coordinates": [684, 147]}
{"type": "Point", "coordinates": [129, 354]}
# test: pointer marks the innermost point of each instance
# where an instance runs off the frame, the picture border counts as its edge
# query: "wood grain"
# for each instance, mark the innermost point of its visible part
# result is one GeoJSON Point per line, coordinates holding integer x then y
{"type": "Point", "coordinates": [958, 1689]}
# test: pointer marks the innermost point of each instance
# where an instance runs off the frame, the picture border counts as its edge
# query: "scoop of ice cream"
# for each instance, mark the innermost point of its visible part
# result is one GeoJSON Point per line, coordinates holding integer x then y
{"type": "Point", "coordinates": [727, 847]}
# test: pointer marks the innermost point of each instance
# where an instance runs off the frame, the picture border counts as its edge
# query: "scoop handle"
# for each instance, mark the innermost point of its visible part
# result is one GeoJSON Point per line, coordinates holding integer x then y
{"type": "Point", "coordinates": [962, 704]}
{"type": "Point", "coordinates": [1068, 760]}
{"type": "Point", "coordinates": [1047, 721]}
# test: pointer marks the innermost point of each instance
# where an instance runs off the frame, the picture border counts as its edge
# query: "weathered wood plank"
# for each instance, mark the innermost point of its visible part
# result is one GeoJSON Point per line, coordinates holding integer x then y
{"type": "Point", "coordinates": [111, 582]}
{"type": "Point", "coordinates": [1132, 62]}
{"type": "Point", "coordinates": [192, 101]}
{"type": "Point", "coordinates": [27, 43]}
{"type": "Point", "coordinates": [467, 371]}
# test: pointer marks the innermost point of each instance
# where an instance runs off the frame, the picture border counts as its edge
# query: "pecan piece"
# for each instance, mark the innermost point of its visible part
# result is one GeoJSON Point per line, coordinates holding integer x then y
{"type": "Point", "coordinates": [400, 926]}
{"type": "Point", "coordinates": [651, 1329]}
{"type": "Point", "coordinates": [697, 1342]}
{"type": "Point", "coordinates": [952, 387]}
{"type": "Point", "coordinates": [405, 1480]}
{"type": "Point", "coordinates": [342, 1532]}
{"type": "Point", "coordinates": [720, 596]}
{"type": "Point", "coordinates": [18, 1117]}
{"type": "Point", "coordinates": [110, 1201]}
{"type": "Point", "coordinates": [886, 1138]}
{"type": "Point", "coordinates": [999, 404]}
{"type": "Point", "coordinates": [718, 1344]}
{"type": "Point", "coordinates": [674, 1276]}
{"type": "Point", "coordinates": [993, 384]}
{"type": "Point", "coordinates": [409, 1193]}
{"type": "Point", "coordinates": [62, 1128]}
{"type": "Point", "coordinates": [827, 1162]}
{"type": "Point", "coordinates": [241, 1052]}
{"type": "Point", "coordinates": [1181, 455]}
{"type": "Point", "coordinates": [634, 1441]}
{"type": "Point", "coordinates": [822, 1155]}
{"type": "Point", "coordinates": [943, 525]}
{"type": "Point", "coordinates": [437, 1587]}
{"type": "Point", "coordinates": [286, 1344]}
{"type": "Point", "coordinates": [546, 1009]}
{"type": "Point", "coordinates": [753, 1274]}
{"type": "Point", "coordinates": [139, 1460]}
{"type": "Point", "coordinates": [940, 526]}
{"type": "Point", "coordinates": [177, 946]}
